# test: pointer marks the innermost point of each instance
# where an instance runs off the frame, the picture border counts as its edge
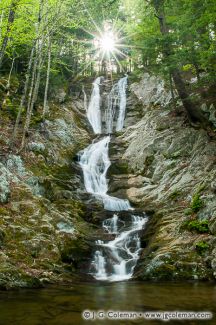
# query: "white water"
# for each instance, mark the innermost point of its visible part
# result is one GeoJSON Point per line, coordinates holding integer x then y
{"type": "Point", "coordinates": [95, 163]}
{"type": "Point", "coordinates": [121, 253]}
{"type": "Point", "coordinates": [116, 259]}
{"type": "Point", "coordinates": [116, 102]}
{"type": "Point", "coordinates": [113, 100]}
{"type": "Point", "coordinates": [85, 99]}
{"type": "Point", "coordinates": [94, 113]}
{"type": "Point", "coordinates": [122, 85]}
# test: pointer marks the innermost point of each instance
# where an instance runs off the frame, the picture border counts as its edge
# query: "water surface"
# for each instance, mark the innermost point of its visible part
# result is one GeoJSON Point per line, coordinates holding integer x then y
{"type": "Point", "coordinates": [64, 305]}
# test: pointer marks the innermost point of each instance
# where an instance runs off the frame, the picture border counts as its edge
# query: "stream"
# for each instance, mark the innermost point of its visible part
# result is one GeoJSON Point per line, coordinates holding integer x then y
{"type": "Point", "coordinates": [115, 259]}
{"type": "Point", "coordinates": [64, 305]}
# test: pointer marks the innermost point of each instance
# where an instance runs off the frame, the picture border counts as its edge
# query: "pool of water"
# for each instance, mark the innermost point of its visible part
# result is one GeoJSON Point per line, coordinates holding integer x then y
{"type": "Point", "coordinates": [64, 305]}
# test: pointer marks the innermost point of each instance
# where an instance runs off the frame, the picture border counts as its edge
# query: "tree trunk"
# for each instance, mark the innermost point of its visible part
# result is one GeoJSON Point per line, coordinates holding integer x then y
{"type": "Point", "coordinates": [45, 107]}
{"type": "Point", "coordinates": [194, 114]}
{"type": "Point", "coordinates": [33, 90]}
{"type": "Point", "coordinates": [30, 95]}
{"type": "Point", "coordinates": [8, 83]}
{"type": "Point", "coordinates": [10, 21]}
{"type": "Point", "coordinates": [1, 22]}
{"type": "Point", "coordinates": [172, 90]}
{"type": "Point", "coordinates": [23, 98]}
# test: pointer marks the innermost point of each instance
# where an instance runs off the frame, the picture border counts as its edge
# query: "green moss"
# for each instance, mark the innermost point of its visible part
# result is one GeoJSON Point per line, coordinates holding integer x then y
{"type": "Point", "coordinates": [149, 160]}
{"type": "Point", "coordinates": [196, 203]}
{"type": "Point", "coordinates": [200, 226]}
{"type": "Point", "coordinates": [73, 251]}
{"type": "Point", "coordinates": [188, 212]}
{"type": "Point", "coordinates": [118, 168]}
{"type": "Point", "coordinates": [172, 155]}
{"type": "Point", "coordinates": [3, 211]}
{"type": "Point", "coordinates": [2, 237]}
{"type": "Point", "coordinates": [174, 195]}
{"type": "Point", "coordinates": [202, 247]}
{"type": "Point", "coordinates": [12, 278]}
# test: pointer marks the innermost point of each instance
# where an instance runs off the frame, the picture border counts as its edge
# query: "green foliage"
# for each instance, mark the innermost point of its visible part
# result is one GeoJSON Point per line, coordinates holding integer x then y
{"type": "Point", "coordinates": [191, 36]}
{"type": "Point", "coordinates": [200, 226]}
{"type": "Point", "coordinates": [202, 247]}
{"type": "Point", "coordinates": [196, 203]}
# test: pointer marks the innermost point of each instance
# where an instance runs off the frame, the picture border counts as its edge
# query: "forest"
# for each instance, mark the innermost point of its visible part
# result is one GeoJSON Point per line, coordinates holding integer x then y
{"type": "Point", "coordinates": [45, 43]}
{"type": "Point", "coordinates": [107, 160]}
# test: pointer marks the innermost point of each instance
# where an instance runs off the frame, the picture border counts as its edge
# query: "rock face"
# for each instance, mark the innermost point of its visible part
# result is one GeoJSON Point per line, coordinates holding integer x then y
{"type": "Point", "coordinates": [171, 175]}
{"type": "Point", "coordinates": [151, 91]}
{"type": "Point", "coordinates": [43, 233]}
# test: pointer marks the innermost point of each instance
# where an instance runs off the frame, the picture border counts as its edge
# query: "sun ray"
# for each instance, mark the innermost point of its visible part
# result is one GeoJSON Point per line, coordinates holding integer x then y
{"type": "Point", "coordinates": [102, 57]}
{"type": "Point", "coordinates": [116, 19]}
{"type": "Point", "coordinates": [128, 36]}
{"type": "Point", "coordinates": [90, 62]}
{"type": "Point", "coordinates": [91, 18]}
{"type": "Point", "coordinates": [88, 32]}
{"type": "Point", "coordinates": [129, 46]}
{"type": "Point", "coordinates": [121, 53]}
{"type": "Point", "coordinates": [119, 63]}
{"type": "Point", "coordinates": [107, 42]}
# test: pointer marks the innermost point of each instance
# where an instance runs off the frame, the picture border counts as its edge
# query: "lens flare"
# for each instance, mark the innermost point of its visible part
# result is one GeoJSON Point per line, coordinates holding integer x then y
{"type": "Point", "coordinates": [107, 42]}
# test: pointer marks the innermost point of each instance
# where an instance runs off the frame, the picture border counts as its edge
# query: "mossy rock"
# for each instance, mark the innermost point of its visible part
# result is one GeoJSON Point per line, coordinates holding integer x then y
{"type": "Point", "coordinates": [75, 251]}
{"type": "Point", "coordinates": [118, 168]}
{"type": "Point", "coordinates": [15, 278]}
{"type": "Point", "coordinates": [175, 195]}
{"type": "Point", "coordinates": [202, 247]}
{"type": "Point", "coordinates": [3, 211]}
{"type": "Point", "coordinates": [196, 203]}
{"type": "Point", "coordinates": [2, 237]}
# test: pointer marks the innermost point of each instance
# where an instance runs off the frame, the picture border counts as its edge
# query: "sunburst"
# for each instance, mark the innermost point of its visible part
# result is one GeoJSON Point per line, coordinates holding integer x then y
{"type": "Point", "coordinates": [107, 43]}
{"type": "Point", "coordinates": [109, 46]}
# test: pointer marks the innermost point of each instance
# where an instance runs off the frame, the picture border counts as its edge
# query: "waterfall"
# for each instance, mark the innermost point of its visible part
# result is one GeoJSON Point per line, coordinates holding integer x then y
{"type": "Point", "coordinates": [85, 99]}
{"type": "Point", "coordinates": [122, 84]}
{"type": "Point", "coordinates": [94, 113]}
{"type": "Point", "coordinates": [113, 100]}
{"type": "Point", "coordinates": [95, 162]}
{"type": "Point", "coordinates": [116, 104]}
{"type": "Point", "coordinates": [121, 253]}
{"type": "Point", "coordinates": [113, 260]}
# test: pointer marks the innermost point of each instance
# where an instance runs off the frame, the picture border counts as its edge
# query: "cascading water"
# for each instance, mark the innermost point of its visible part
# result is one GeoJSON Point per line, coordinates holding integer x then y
{"type": "Point", "coordinates": [111, 109]}
{"type": "Point", "coordinates": [116, 103]}
{"type": "Point", "coordinates": [95, 163]}
{"type": "Point", "coordinates": [94, 113]}
{"type": "Point", "coordinates": [122, 84]}
{"type": "Point", "coordinates": [114, 260]}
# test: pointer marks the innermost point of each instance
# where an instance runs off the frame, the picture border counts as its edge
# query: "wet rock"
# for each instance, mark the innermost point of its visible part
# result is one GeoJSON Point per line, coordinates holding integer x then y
{"type": "Point", "coordinates": [2, 237]}
{"type": "Point", "coordinates": [76, 253]}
